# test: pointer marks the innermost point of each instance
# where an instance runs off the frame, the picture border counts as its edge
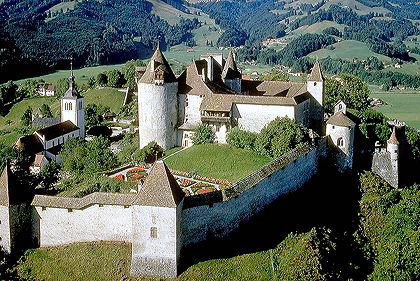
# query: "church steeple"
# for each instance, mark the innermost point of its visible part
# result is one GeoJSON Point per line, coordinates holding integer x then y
{"type": "Point", "coordinates": [71, 92]}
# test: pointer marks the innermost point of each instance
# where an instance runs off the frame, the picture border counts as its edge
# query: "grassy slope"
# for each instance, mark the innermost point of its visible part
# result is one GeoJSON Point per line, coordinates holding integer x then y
{"type": "Point", "coordinates": [404, 107]}
{"type": "Point", "coordinates": [217, 161]}
{"type": "Point", "coordinates": [111, 261]}
{"type": "Point", "coordinates": [107, 97]}
{"type": "Point", "coordinates": [82, 74]}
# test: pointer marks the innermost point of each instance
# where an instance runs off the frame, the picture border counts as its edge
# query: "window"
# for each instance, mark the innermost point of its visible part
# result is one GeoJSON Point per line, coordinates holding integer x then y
{"type": "Point", "coordinates": [44, 208]}
{"type": "Point", "coordinates": [314, 83]}
{"type": "Point", "coordinates": [153, 232]}
{"type": "Point", "coordinates": [69, 210]}
{"type": "Point", "coordinates": [340, 142]}
{"type": "Point", "coordinates": [333, 127]}
{"type": "Point", "coordinates": [70, 106]}
{"type": "Point", "coordinates": [340, 106]}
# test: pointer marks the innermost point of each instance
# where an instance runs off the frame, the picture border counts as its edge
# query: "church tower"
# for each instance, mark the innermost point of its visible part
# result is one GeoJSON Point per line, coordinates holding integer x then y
{"type": "Point", "coordinates": [156, 219]}
{"type": "Point", "coordinates": [231, 75]}
{"type": "Point", "coordinates": [157, 102]}
{"type": "Point", "coordinates": [315, 84]}
{"type": "Point", "coordinates": [72, 106]}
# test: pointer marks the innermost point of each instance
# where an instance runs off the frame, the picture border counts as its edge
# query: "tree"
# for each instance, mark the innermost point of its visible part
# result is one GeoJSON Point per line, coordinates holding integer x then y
{"type": "Point", "coordinates": [279, 136]}
{"type": "Point", "coordinates": [129, 71]}
{"type": "Point", "coordinates": [26, 118]}
{"type": "Point", "coordinates": [93, 115]}
{"type": "Point", "coordinates": [46, 111]}
{"type": "Point", "coordinates": [98, 155]}
{"type": "Point", "coordinates": [91, 83]}
{"type": "Point", "coordinates": [101, 80]}
{"type": "Point", "coordinates": [276, 75]}
{"type": "Point", "coordinates": [241, 139]}
{"type": "Point", "coordinates": [29, 87]}
{"type": "Point", "coordinates": [203, 134]}
{"type": "Point", "coordinates": [72, 155]}
{"type": "Point", "coordinates": [49, 174]}
{"type": "Point", "coordinates": [115, 79]}
{"type": "Point", "coordinates": [148, 154]}
{"type": "Point", "coordinates": [61, 86]}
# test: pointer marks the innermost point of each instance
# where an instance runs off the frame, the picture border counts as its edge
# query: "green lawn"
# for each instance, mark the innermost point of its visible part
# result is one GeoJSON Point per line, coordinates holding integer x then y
{"type": "Point", "coordinates": [217, 161]}
{"type": "Point", "coordinates": [111, 261]}
{"type": "Point", "coordinates": [405, 107]}
{"type": "Point", "coordinates": [82, 75]}
{"type": "Point", "coordinates": [108, 97]}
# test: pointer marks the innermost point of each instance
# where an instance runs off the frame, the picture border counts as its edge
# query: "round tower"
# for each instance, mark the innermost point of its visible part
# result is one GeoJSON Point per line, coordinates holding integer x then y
{"type": "Point", "coordinates": [340, 130]}
{"type": "Point", "coordinates": [157, 103]}
{"type": "Point", "coordinates": [393, 147]}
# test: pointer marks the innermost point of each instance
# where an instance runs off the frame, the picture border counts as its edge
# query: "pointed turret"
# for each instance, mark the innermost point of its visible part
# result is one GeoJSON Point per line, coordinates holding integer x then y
{"type": "Point", "coordinates": [316, 73]}
{"type": "Point", "coordinates": [160, 188]}
{"type": "Point", "coordinates": [393, 138]}
{"type": "Point", "coordinates": [230, 71]}
{"type": "Point", "coordinates": [158, 69]}
{"type": "Point", "coordinates": [231, 75]}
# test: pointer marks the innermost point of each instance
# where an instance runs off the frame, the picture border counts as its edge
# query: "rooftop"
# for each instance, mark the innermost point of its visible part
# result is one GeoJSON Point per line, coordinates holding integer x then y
{"type": "Point", "coordinates": [57, 130]}
{"type": "Point", "coordinates": [341, 120]}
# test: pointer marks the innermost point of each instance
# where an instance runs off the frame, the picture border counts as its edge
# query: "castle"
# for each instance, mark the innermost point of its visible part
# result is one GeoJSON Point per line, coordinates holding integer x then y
{"type": "Point", "coordinates": [211, 91]}
{"type": "Point", "coordinates": [159, 220]}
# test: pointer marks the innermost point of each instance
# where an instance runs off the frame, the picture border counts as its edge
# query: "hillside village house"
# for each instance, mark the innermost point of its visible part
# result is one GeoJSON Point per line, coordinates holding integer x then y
{"type": "Point", "coordinates": [46, 90]}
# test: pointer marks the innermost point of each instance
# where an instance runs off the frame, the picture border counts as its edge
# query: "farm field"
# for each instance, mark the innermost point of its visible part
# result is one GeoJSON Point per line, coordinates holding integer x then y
{"type": "Point", "coordinates": [217, 161]}
{"type": "Point", "coordinates": [405, 107]}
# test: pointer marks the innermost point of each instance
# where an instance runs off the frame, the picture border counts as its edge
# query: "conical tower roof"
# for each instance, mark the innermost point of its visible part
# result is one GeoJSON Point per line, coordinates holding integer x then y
{"type": "Point", "coordinates": [316, 73]}
{"type": "Point", "coordinates": [393, 138]}
{"type": "Point", "coordinates": [160, 188]}
{"type": "Point", "coordinates": [158, 63]}
{"type": "Point", "coordinates": [230, 71]}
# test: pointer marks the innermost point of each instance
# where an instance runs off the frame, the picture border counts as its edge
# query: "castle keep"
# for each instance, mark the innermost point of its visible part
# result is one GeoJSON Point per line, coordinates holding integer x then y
{"type": "Point", "coordinates": [211, 91]}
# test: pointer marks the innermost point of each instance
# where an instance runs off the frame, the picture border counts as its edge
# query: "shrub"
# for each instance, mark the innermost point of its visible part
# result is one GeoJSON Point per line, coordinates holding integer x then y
{"type": "Point", "coordinates": [203, 134]}
{"type": "Point", "coordinates": [147, 154]}
{"type": "Point", "coordinates": [279, 136]}
{"type": "Point", "coordinates": [241, 139]}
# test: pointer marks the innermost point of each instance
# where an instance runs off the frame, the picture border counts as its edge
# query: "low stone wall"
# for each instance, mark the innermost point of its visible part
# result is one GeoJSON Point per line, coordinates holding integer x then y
{"type": "Point", "coordinates": [251, 195]}
{"type": "Point", "coordinates": [98, 216]}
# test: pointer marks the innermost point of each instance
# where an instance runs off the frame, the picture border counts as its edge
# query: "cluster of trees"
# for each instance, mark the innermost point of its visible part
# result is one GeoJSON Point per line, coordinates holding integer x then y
{"type": "Point", "coordinates": [297, 48]}
{"type": "Point", "coordinates": [389, 228]}
{"type": "Point", "coordinates": [252, 21]}
{"type": "Point", "coordinates": [9, 94]}
{"type": "Point", "coordinates": [105, 32]}
{"type": "Point", "coordinates": [276, 138]}
{"type": "Point", "coordinates": [348, 88]}
{"type": "Point", "coordinates": [203, 134]}
{"type": "Point", "coordinates": [81, 157]}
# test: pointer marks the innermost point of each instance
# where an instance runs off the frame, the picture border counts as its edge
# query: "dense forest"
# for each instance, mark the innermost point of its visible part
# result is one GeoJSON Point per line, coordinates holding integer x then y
{"type": "Point", "coordinates": [110, 31]}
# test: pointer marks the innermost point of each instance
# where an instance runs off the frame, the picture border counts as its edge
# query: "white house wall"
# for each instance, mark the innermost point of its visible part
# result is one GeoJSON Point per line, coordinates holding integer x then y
{"type": "Point", "coordinates": [56, 226]}
{"type": "Point", "coordinates": [253, 117]}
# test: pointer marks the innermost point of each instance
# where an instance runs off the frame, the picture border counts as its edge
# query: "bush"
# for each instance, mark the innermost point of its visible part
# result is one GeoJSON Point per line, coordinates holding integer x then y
{"type": "Point", "coordinates": [148, 154]}
{"type": "Point", "coordinates": [241, 139]}
{"type": "Point", "coordinates": [203, 134]}
{"type": "Point", "coordinates": [279, 136]}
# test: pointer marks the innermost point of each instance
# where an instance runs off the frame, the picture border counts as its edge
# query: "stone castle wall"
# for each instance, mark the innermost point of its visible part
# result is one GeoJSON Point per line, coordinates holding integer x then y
{"type": "Point", "coordinates": [58, 226]}
{"type": "Point", "coordinates": [5, 242]}
{"type": "Point", "coordinates": [249, 196]}
{"type": "Point", "coordinates": [382, 166]}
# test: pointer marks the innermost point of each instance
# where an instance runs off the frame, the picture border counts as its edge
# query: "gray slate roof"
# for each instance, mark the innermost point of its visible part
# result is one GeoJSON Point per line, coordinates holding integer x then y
{"type": "Point", "coordinates": [341, 120]}
{"type": "Point", "coordinates": [160, 188]}
{"type": "Point", "coordinates": [158, 65]}
{"type": "Point", "coordinates": [44, 122]}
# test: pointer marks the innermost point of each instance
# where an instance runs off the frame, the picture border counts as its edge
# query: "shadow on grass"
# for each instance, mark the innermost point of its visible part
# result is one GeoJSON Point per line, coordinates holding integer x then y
{"type": "Point", "coordinates": [328, 200]}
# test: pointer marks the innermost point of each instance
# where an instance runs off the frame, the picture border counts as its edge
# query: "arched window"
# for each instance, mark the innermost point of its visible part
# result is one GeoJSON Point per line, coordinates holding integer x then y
{"type": "Point", "coordinates": [70, 106]}
{"type": "Point", "coordinates": [340, 106]}
{"type": "Point", "coordinates": [153, 232]}
{"type": "Point", "coordinates": [340, 142]}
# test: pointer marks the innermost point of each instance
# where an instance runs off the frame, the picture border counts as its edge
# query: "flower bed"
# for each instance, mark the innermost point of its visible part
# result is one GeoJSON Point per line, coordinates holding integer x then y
{"type": "Point", "coordinates": [205, 190]}
{"type": "Point", "coordinates": [185, 182]}
{"type": "Point", "coordinates": [119, 177]}
{"type": "Point", "coordinates": [136, 177]}
{"type": "Point", "coordinates": [136, 170]}
{"type": "Point", "coordinates": [201, 185]}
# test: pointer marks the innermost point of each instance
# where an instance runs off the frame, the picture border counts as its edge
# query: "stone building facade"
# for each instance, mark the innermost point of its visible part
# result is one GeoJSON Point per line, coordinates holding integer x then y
{"type": "Point", "coordinates": [211, 91]}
